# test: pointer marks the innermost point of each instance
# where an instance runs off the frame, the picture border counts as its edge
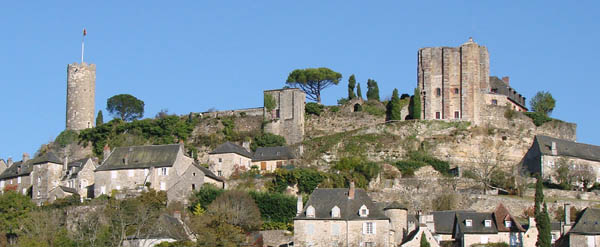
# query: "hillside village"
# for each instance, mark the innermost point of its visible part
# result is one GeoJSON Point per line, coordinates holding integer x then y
{"type": "Point", "coordinates": [458, 162]}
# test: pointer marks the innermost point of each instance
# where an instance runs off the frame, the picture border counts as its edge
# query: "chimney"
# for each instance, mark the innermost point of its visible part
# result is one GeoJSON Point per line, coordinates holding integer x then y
{"type": "Point", "coordinates": [532, 222]}
{"type": "Point", "coordinates": [506, 80]}
{"type": "Point", "coordinates": [351, 191]}
{"type": "Point", "coordinates": [567, 214]}
{"type": "Point", "coordinates": [25, 157]}
{"type": "Point", "coordinates": [9, 162]}
{"type": "Point", "coordinates": [553, 148]}
{"type": "Point", "coordinates": [299, 206]}
{"type": "Point", "coordinates": [66, 164]}
{"type": "Point", "coordinates": [105, 153]}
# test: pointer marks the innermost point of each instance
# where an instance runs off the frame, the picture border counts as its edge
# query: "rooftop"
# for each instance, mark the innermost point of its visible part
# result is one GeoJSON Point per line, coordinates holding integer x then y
{"type": "Point", "coordinates": [137, 157]}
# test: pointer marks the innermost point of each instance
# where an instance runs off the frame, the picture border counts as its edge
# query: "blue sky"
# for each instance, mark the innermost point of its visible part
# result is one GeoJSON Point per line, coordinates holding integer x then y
{"type": "Point", "coordinates": [189, 56]}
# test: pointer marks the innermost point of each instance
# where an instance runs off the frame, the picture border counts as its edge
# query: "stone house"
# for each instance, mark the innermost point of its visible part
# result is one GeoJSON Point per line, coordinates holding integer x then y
{"type": "Point", "coordinates": [546, 154]}
{"type": "Point", "coordinates": [585, 231]}
{"type": "Point", "coordinates": [159, 167]}
{"type": "Point", "coordinates": [46, 174]}
{"type": "Point", "coordinates": [443, 224]}
{"type": "Point", "coordinates": [342, 217]}
{"type": "Point", "coordinates": [61, 192]}
{"type": "Point", "coordinates": [79, 175]}
{"type": "Point", "coordinates": [271, 158]}
{"type": "Point", "coordinates": [17, 176]}
{"type": "Point", "coordinates": [455, 83]}
{"type": "Point", "coordinates": [423, 226]}
{"type": "Point", "coordinates": [475, 228]}
{"type": "Point", "coordinates": [229, 158]}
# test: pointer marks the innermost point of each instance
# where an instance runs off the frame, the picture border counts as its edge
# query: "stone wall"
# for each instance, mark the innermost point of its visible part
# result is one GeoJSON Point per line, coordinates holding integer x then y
{"type": "Point", "coordinates": [335, 122]}
{"type": "Point", "coordinates": [81, 91]}
{"type": "Point", "coordinates": [253, 112]}
{"type": "Point", "coordinates": [334, 233]}
{"type": "Point", "coordinates": [287, 118]}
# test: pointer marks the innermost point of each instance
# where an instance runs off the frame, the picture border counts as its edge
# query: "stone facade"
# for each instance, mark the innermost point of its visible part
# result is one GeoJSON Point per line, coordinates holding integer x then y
{"type": "Point", "coordinates": [287, 118]}
{"type": "Point", "coordinates": [81, 91]}
{"type": "Point", "coordinates": [225, 164]}
{"type": "Point", "coordinates": [45, 177]}
{"type": "Point", "coordinates": [79, 176]}
{"type": "Point", "coordinates": [328, 233]}
{"type": "Point", "coordinates": [455, 83]}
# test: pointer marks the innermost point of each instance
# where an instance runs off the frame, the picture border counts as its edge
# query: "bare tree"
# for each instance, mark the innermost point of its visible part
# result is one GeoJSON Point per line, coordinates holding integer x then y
{"type": "Point", "coordinates": [486, 163]}
{"type": "Point", "coordinates": [583, 175]}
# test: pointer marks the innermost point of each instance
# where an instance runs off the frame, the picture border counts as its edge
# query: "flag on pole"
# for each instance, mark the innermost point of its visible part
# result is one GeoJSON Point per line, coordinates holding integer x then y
{"type": "Point", "coordinates": [84, 32]}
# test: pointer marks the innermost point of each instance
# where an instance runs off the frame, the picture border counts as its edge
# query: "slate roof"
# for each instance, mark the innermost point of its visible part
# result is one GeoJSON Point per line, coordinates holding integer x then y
{"type": "Point", "coordinates": [75, 167]}
{"type": "Point", "coordinates": [502, 214]}
{"type": "Point", "coordinates": [48, 157]}
{"type": "Point", "coordinates": [478, 220]}
{"type": "Point", "coordinates": [588, 223]}
{"type": "Point", "coordinates": [229, 147]}
{"type": "Point", "coordinates": [208, 173]}
{"type": "Point", "coordinates": [323, 200]}
{"type": "Point", "coordinates": [68, 189]}
{"type": "Point", "coordinates": [395, 205]}
{"type": "Point", "coordinates": [568, 148]}
{"type": "Point", "coordinates": [138, 157]}
{"type": "Point", "coordinates": [13, 170]}
{"type": "Point", "coordinates": [273, 153]}
{"type": "Point", "coordinates": [502, 88]}
{"type": "Point", "coordinates": [443, 221]}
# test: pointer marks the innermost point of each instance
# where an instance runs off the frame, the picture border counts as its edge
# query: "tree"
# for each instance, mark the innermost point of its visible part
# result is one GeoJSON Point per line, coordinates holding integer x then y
{"type": "Point", "coordinates": [393, 107]}
{"type": "Point", "coordinates": [125, 106]}
{"type": "Point", "coordinates": [351, 85]}
{"type": "Point", "coordinates": [542, 218]}
{"type": "Point", "coordinates": [583, 175]}
{"type": "Point", "coordinates": [14, 210]}
{"type": "Point", "coordinates": [358, 91]}
{"type": "Point", "coordinates": [238, 209]}
{"type": "Point", "coordinates": [424, 242]}
{"type": "Point", "coordinates": [488, 161]}
{"type": "Point", "coordinates": [543, 103]}
{"type": "Point", "coordinates": [414, 106]}
{"type": "Point", "coordinates": [313, 80]}
{"type": "Point", "coordinates": [213, 230]}
{"type": "Point", "coordinates": [267, 140]}
{"type": "Point", "coordinates": [563, 174]}
{"type": "Point", "coordinates": [99, 118]}
{"type": "Point", "coordinates": [372, 90]}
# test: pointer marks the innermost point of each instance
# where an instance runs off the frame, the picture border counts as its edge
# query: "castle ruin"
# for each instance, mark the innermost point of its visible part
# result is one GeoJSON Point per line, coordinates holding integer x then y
{"type": "Point", "coordinates": [287, 117]}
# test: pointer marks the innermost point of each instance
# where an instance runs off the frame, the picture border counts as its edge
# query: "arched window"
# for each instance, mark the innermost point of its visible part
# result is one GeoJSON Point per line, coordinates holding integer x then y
{"type": "Point", "coordinates": [310, 211]}
{"type": "Point", "coordinates": [335, 212]}
{"type": "Point", "coordinates": [438, 92]}
{"type": "Point", "coordinates": [363, 211]}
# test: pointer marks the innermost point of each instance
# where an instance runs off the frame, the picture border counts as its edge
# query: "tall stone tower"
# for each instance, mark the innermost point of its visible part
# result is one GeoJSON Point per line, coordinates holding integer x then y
{"type": "Point", "coordinates": [287, 116]}
{"type": "Point", "coordinates": [81, 96]}
{"type": "Point", "coordinates": [453, 81]}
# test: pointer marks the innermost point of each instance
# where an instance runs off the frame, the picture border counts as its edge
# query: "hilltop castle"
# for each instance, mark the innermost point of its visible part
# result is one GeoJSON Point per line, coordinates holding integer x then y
{"type": "Point", "coordinates": [455, 84]}
{"type": "Point", "coordinates": [81, 96]}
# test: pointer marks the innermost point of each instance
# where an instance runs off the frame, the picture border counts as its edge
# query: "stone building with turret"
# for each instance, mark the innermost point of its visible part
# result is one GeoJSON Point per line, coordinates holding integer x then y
{"type": "Point", "coordinates": [81, 93]}
{"type": "Point", "coordinates": [455, 83]}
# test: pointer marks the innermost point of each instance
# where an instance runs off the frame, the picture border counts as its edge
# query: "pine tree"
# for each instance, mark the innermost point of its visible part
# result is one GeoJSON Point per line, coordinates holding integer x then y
{"type": "Point", "coordinates": [99, 118]}
{"type": "Point", "coordinates": [393, 107]}
{"type": "Point", "coordinates": [198, 210]}
{"type": "Point", "coordinates": [351, 85]}
{"type": "Point", "coordinates": [358, 91]}
{"type": "Point", "coordinates": [542, 218]}
{"type": "Point", "coordinates": [424, 242]}
{"type": "Point", "coordinates": [414, 106]}
{"type": "Point", "coordinates": [372, 90]}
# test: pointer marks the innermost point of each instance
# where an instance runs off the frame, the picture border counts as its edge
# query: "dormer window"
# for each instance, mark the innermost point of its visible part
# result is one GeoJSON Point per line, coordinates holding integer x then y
{"type": "Point", "coordinates": [310, 211]}
{"type": "Point", "coordinates": [335, 212]}
{"type": "Point", "coordinates": [507, 223]}
{"type": "Point", "coordinates": [487, 223]}
{"type": "Point", "coordinates": [363, 211]}
{"type": "Point", "coordinates": [468, 223]}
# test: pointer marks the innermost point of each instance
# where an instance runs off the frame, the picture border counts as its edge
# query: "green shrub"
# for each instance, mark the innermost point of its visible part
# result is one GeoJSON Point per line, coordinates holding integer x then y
{"type": "Point", "coordinates": [342, 101]}
{"type": "Point", "coordinates": [269, 102]}
{"type": "Point", "coordinates": [275, 207]}
{"type": "Point", "coordinates": [66, 137]}
{"type": "Point", "coordinates": [373, 108]}
{"type": "Point", "coordinates": [267, 140]}
{"type": "Point", "coordinates": [313, 108]}
{"type": "Point", "coordinates": [357, 169]}
{"type": "Point", "coordinates": [207, 194]}
{"type": "Point", "coordinates": [418, 159]}
{"type": "Point", "coordinates": [509, 113]}
{"type": "Point", "coordinates": [538, 118]}
{"type": "Point", "coordinates": [334, 109]}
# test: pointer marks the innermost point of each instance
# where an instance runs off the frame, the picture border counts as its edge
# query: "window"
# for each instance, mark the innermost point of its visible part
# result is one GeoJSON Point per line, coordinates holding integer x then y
{"type": "Point", "coordinates": [219, 173]}
{"type": "Point", "coordinates": [118, 187]}
{"type": "Point", "coordinates": [113, 174]}
{"type": "Point", "coordinates": [487, 223]}
{"type": "Point", "coordinates": [163, 186]}
{"type": "Point", "coordinates": [164, 171]}
{"type": "Point", "coordinates": [193, 186]}
{"type": "Point", "coordinates": [39, 181]}
{"type": "Point", "coordinates": [468, 223]}
{"type": "Point", "coordinates": [494, 90]}
{"type": "Point", "coordinates": [310, 228]}
{"type": "Point", "coordinates": [263, 166]}
{"type": "Point", "coordinates": [369, 244]}
{"type": "Point", "coordinates": [437, 115]}
{"type": "Point", "coordinates": [1, 184]}
{"type": "Point", "coordinates": [369, 228]}
{"type": "Point", "coordinates": [130, 173]}
{"type": "Point", "coordinates": [335, 229]}
{"type": "Point", "coordinates": [24, 191]}
{"type": "Point", "coordinates": [484, 239]}
{"type": "Point", "coordinates": [363, 211]}
{"type": "Point", "coordinates": [456, 115]}
{"type": "Point", "coordinates": [18, 180]}
{"type": "Point", "coordinates": [494, 102]}
{"type": "Point", "coordinates": [335, 212]}
{"type": "Point", "coordinates": [507, 223]}
{"type": "Point", "coordinates": [220, 160]}
{"type": "Point", "coordinates": [456, 90]}
{"type": "Point", "coordinates": [193, 174]}
{"type": "Point", "coordinates": [438, 92]}
{"type": "Point", "coordinates": [279, 164]}
{"type": "Point", "coordinates": [310, 211]}
{"type": "Point", "coordinates": [38, 194]}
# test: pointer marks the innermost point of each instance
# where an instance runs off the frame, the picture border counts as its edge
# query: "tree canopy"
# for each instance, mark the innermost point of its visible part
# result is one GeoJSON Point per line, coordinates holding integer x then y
{"type": "Point", "coordinates": [351, 85]}
{"type": "Point", "coordinates": [394, 108]}
{"type": "Point", "coordinates": [313, 80]}
{"type": "Point", "coordinates": [414, 106]}
{"type": "Point", "coordinates": [543, 102]}
{"type": "Point", "coordinates": [358, 91]}
{"type": "Point", "coordinates": [125, 106]}
{"type": "Point", "coordinates": [372, 90]}
{"type": "Point", "coordinates": [99, 118]}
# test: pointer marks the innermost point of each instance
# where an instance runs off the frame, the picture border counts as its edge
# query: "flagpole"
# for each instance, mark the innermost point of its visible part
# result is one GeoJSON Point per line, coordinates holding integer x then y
{"type": "Point", "coordinates": [82, 45]}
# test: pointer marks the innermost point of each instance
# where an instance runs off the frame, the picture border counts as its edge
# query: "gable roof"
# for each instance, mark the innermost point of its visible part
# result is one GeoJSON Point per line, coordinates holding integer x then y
{"type": "Point", "coordinates": [502, 214]}
{"type": "Point", "coordinates": [443, 221]}
{"type": "Point", "coordinates": [477, 220]}
{"type": "Point", "coordinates": [273, 153]}
{"type": "Point", "coordinates": [48, 157]}
{"type": "Point", "coordinates": [323, 200]}
{"type": "Point", "coordinates": [75, 167]}
{"type": "Point", "coordinates": [502, 88]}
{"type": "Point", "coordinates": [230, 147]}
{"type": "Point", "coordinates": [13, 171]}
{"type": "Point", "coordinates": [567, 148]}
{"type": "Point", "coordinates": [207, 172]}
{"type": "Point", "coordinates": [588, 223]}
{"type": "Point", "coordinates": [137, 157]}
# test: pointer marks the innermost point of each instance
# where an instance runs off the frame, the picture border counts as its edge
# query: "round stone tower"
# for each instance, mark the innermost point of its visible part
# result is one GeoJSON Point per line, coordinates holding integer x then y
{"type": "Point", "coordinates": [81, 95]}
{"type": "Point", "coordinates": [398, 215]}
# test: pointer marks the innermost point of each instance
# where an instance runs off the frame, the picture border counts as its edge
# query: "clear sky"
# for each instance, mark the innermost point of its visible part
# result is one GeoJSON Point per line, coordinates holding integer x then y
{"type": "Point", "coordinates": [189, 56]}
